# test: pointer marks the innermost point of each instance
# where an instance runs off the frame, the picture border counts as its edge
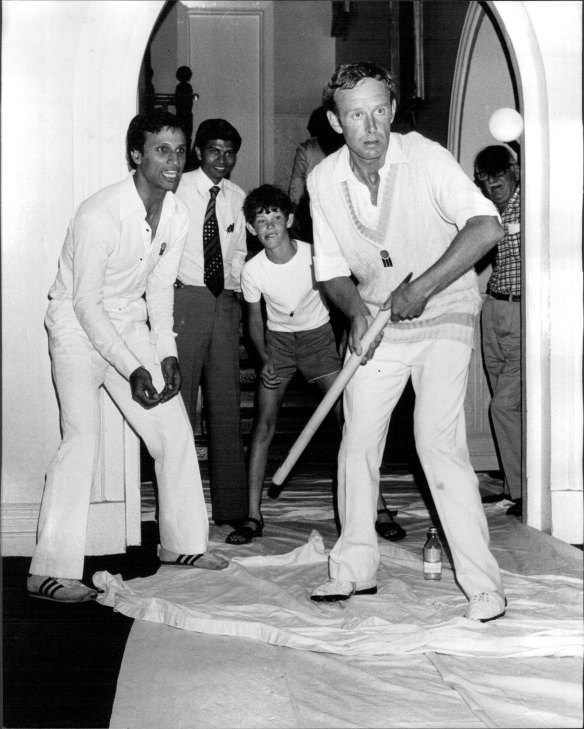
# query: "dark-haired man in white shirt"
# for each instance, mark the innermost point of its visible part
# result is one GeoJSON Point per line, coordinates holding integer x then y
{"type": "Point", "coordinates": [110, 325]}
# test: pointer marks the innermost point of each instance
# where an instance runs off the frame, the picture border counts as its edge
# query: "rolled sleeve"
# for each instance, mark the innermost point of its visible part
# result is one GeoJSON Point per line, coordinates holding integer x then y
{"type": "Point", "coordinates": [329, 261]}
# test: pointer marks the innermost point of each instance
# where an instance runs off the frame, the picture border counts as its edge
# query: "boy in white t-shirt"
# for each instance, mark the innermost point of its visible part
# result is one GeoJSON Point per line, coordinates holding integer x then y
{"type": "Point", "coordinates": [299, 335]}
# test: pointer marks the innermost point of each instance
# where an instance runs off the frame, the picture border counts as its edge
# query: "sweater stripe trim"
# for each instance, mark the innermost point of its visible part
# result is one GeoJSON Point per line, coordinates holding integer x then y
{"type": "Point", "coordinates": [457, 327]}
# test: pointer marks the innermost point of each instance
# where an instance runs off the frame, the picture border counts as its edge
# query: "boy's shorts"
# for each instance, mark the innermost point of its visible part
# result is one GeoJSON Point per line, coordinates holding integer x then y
{"type": "Point", "coordinates": [312, 352]}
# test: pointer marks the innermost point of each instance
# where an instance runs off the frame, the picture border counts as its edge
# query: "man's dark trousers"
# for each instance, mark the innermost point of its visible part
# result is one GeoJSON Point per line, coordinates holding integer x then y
{"type": "Point", "coordinates": [208, 349]}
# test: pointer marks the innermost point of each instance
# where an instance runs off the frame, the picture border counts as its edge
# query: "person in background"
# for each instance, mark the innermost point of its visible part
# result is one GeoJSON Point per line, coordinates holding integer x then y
{"type": "Point", "coordinates": [299, 337]}
{"type": "Point", "coordinates": [322, 142]}
{"type": "Point", "coordinates": [117, 268]}
{"type": "Point", "coordinates": [399, 226]}
{"type": "Point", "coordinates": [183, 104]}
{"type": "Point", "coordinates": [497, 174]}
{"type": "Point", "coordinates": [208, 311]}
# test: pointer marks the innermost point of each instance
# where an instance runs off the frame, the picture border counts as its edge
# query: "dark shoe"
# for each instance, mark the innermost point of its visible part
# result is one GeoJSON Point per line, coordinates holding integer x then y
{"type": "Point", "coordinates": [516, 509]}
{"type": "Point", "coordinates": [494, 498]}
{"type": "Point", "coordinates": [389, 530]}
{"type": "Point", "coordinates": [244, 534]}
{"type": "Point", "coordinates": [59, 589]}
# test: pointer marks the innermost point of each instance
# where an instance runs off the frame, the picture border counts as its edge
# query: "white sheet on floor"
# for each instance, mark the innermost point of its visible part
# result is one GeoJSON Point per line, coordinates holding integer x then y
{"type": "Point", "coordinates": [404, 657]}
{"type": "Point", "coordinates": [266, 598]}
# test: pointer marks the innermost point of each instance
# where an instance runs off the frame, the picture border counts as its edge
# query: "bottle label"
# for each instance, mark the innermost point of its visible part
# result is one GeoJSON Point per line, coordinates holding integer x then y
{"type": "Point", "coordinates": [433, 568]}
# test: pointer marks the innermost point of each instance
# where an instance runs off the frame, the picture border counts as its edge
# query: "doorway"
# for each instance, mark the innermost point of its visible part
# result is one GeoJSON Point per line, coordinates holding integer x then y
{"type": "Point", "coordinates": [196, 33]}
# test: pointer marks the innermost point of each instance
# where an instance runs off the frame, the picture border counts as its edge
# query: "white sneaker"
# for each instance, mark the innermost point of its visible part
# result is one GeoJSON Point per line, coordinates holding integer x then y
{"type": "Point", "coordinates": [335, 590]}
{"type": "Point", "coordinates": [59, 589]}
{"type": "Point", "coordinates": [205, 561]}
{"type": "Point", "coordinates": [486, 606]}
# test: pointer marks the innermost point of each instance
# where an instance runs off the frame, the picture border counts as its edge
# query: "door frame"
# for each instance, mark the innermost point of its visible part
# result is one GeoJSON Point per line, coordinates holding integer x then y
{"type": "Point", "coordinates": [112, 46]}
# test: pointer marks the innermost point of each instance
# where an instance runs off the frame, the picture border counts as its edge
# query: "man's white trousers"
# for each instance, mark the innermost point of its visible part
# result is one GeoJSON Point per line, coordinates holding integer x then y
{"type": "Point", "coordinates": [78, 372]}
{"type": "Point", "coordinates": [439, 371]}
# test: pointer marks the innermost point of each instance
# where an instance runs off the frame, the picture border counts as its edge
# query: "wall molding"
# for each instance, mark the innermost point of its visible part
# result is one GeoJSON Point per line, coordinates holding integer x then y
{"type": "Point", "coordinates": [19, 524]}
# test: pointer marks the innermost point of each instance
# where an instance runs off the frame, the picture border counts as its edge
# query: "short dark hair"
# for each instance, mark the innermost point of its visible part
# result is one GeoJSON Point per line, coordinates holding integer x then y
{"type": "Point", "coordinates": [150, 122]}
{"type": "Point", "coordinates": [493, 159]}
{"type": "Point", "coordinates": [348, 75]}
{"type": "Point", "coordinates": [217, 129]}
{"type": "Point", "coordinates": [265, 199]}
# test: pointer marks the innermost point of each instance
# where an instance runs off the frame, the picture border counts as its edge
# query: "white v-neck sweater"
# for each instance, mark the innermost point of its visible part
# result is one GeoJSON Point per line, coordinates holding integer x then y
{"type": "Point", "coordinates": [424, 200]}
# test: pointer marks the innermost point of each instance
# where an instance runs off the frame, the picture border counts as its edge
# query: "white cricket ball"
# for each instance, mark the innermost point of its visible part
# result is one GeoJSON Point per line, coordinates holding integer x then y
{"type": "Point", "coordinates": [506, 125]}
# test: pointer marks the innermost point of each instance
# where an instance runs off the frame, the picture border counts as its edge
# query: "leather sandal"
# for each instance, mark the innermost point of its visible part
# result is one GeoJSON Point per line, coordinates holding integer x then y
{"type": "Point", "coordinates": [244, 534]}
{"type": "Point", "coordinates": [389, 530]}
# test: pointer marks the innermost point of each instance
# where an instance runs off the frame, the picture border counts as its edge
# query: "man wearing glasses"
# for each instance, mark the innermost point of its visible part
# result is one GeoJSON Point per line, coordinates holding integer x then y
{"type": "Point", "coordinates": [497, 174]}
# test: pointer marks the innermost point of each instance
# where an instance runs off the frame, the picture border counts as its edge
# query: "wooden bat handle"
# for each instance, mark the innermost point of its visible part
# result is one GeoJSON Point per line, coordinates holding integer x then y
{"type": "Point", "coordinates": [330, 398]}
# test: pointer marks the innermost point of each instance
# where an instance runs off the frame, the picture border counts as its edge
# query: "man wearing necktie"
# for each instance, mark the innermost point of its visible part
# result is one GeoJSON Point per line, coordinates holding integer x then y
{"type": "Point", "coordinates": [208, 313]}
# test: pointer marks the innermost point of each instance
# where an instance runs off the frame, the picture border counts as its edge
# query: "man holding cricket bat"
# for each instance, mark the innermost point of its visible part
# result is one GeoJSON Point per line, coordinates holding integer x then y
{"type": "Point", "coordinates": [397, 215]}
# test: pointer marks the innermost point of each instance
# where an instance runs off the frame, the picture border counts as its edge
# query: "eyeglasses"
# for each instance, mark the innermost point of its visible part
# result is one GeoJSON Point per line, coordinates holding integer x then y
{"type": "Point", "coordinates": [484, 176]}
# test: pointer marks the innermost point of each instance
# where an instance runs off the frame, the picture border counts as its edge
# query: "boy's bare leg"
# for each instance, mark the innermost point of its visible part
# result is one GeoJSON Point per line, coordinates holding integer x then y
{"type": "Point", "coordinates": [269, 401]}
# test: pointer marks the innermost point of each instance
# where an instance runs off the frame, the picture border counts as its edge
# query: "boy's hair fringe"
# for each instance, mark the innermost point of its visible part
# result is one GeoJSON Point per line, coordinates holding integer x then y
{"type": "Point", "coordinates": [264, 199]}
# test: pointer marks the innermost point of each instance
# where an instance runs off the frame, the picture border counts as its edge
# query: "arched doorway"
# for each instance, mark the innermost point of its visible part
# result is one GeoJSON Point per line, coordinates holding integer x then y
{"type": "Point", "coordinates": [112, 46]}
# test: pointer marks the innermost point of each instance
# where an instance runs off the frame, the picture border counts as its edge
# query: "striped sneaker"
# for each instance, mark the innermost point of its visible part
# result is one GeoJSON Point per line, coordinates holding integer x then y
{"type": "Point", "coordinates": [59, 589]}
{"type": "Point", "coordinates": [205, 561]}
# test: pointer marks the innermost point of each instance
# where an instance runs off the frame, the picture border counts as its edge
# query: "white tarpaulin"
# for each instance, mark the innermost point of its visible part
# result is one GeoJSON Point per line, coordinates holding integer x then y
{"type": "Point", "coordinates": [407, 644]}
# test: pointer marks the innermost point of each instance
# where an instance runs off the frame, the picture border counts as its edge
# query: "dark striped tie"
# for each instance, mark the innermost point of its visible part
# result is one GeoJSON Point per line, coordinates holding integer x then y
{"type": "Point", "coordinates": [214, 279]}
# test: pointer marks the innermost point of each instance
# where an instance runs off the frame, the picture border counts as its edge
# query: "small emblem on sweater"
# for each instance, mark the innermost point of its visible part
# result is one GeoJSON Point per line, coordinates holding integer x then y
{"type": "Point", "coordinates": [230, 228]}
{"type": "Point", "coordinates": [162, 249]}
{"type": "Point", "coordinates": [385, 259]}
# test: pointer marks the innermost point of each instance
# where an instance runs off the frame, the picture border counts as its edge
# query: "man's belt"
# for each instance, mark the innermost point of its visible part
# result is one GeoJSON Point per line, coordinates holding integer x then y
{"type": "Point", "coordinates": [504, 297]}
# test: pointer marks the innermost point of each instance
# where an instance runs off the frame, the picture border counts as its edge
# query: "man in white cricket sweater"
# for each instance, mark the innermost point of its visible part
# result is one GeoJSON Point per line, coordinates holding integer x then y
{"type": "Point", "coordinates": [397, 224]}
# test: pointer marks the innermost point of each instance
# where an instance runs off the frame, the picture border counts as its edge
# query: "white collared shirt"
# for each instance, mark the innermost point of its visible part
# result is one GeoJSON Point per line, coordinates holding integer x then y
{"type": "Point", "coordinates": [424, 199]}
{"type": "Point", "coordinates": [193, 190]}
{"type": "Point", "coordinates": [109, 261]}
{"type": "Point", "coordinates": [366, 210]}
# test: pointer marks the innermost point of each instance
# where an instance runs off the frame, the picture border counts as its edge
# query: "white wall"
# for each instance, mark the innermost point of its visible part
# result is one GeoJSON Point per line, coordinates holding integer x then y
{"type": "Point", "coordinates": [37, 200]}
{"type": "Point", "coordinates": [558, 27]}
{"type": "Point", "coordinates": [69, 79]}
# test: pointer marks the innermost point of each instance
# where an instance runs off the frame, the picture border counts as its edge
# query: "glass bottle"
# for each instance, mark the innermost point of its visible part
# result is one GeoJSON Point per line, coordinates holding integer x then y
{"type": "Point", "coordinates": [433, 556]}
